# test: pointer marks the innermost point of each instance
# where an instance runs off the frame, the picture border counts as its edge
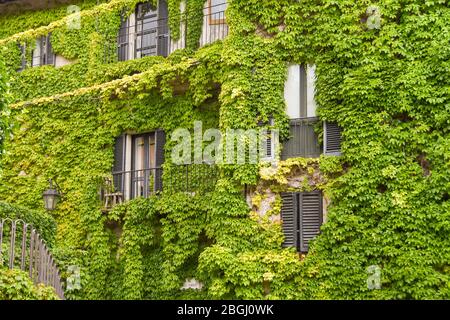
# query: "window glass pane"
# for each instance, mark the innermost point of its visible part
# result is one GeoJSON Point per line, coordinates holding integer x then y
{"type": "Point", "coordinates": [292, 92]}
{"type": "Point", "coordinates": [139, 154]}
{"type": "Point", "coordinates": [218, 6]}
{"type": "Point", "coordinates": [311, 80]}
{"type": "Point", "coordinates": [147, 30]}
{"type": "Point", "coordinates": [152, 150]}
{"type": "Point", "coordinates": [37, 53]}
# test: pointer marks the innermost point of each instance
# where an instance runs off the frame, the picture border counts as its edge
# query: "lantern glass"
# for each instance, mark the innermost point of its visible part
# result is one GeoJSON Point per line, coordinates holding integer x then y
{"type": "Point", "coordinates": [51, 197]}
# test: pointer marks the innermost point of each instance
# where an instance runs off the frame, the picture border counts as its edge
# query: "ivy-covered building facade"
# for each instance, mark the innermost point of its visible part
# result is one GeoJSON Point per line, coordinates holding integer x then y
{"type": "Point", "coordinates": [353, 203]}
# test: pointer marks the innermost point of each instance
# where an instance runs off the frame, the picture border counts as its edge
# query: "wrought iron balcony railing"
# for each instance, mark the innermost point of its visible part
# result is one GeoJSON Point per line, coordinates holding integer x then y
{"type": "Point", "coordinates": [303, 140]}
{"type": "Point", "coordinates": [128, 185]}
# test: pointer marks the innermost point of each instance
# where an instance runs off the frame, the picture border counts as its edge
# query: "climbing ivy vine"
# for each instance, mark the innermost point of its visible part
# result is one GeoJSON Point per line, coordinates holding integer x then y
{"type": "Point", "coordinates": [386, 86]}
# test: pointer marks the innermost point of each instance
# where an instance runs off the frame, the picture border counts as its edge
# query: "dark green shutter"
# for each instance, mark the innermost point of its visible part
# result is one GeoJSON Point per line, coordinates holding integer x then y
{"type": "Point", "coordinates": [159, 161]}
{"type": "Point", "coordinates": [289, 219]}
{"type": "Point", "coordinates": [119, 163]}
{"type": "Point", "coordinates": [163, 29]}
{"type": "Point", "coordinates": [268, 149]}
{"type": "Point", "coordinates": [301, 215]}
{"type": "Point", "coordinates": [310, 216]}
{"type": "Point", "coordinates": [332, 138]}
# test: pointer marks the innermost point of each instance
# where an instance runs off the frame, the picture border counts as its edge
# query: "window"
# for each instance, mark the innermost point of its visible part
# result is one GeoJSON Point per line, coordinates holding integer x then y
{"type": "Point", "coordinates": [43, 52]}
{"type": "Point", "coordinates": [145, 32]}
{"type": "Point", "coordinates": [299, 91]}
{"type": "Point", "coordinates": [137, 170]}
{"type": "Point", "coordinates": [299, 95]}
{"type": "Point", "coordinates": [302, 216]}
{"type": "Point", "coordinates": [216, 11]}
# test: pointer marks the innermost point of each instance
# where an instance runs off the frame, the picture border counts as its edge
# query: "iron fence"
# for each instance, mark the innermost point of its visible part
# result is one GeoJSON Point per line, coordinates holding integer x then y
{"type": "Point", "coordinates": [303, 141]}
{"type": "Point", "coordinates": [22, 247]}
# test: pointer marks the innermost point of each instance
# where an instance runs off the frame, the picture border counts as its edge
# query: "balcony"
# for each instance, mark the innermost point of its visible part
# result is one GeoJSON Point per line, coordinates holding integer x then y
{"type": "Point", "coordinates": [150, 36]}
{"type": "Point", "coordinates": [303, 140]}
{"type": "Point", "coordinates": [127, 185]}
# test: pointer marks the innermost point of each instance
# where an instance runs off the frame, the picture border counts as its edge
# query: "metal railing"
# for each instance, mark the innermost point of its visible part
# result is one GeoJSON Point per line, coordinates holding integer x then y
{"type": "Point", "coordinates": [35, 60]}
{"type": "Point", "coordinates": [215, 26]}
{"type": "Point", "coordinates": [303, 141]}
{"type": "Point", "coordinates": [151, 37]}
{"type": "Point", "coordinates": [128, 185]}
{"type": "Point", "coordinates": [192, 178]}
{"type": "Point", "coordinates": [22, 247]}
{"type": "Point", "coordinates": [136, 183]}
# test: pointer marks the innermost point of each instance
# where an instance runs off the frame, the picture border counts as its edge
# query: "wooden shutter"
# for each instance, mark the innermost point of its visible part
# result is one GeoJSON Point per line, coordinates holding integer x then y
{"type": "Point", "coordinates": [119, 163]}
{"type": "Point", "coordinates": [332, 139]}
{"type": "Point", "coordinates": [269, 149]}
{"type": "Point", "coordinates": [289, 213]}
{"type": "Point", "coordinates": [163, 29]}
{"type": "Point", "coordinates": [268, 146]}
{"type": "Point", "coordinates": [159, 158]}
{"type": "Point", "coordinates": [310, 216]}
{"type": "Point", "coordinates": [302, 216]}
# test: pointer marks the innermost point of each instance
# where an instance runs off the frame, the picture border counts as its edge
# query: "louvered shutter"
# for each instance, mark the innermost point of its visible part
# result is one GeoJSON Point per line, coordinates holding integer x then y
{"type": "Point", "coordinates": [268, 143]}
{"type": "Point", "coordinates": [159, 158]}
{"type": "Point", "coordinates": [119, 163]}
{"type": "Point", "coordinates": [50, 56]}
{"type": "Point", "coordinates": [269, 149]}
{"type": "Point", "coordinates": [289, 219]}
{"type": "Point", "coordinates": [310, 216]}
{"type": "Point", "coordinates": [332, 139]}
{"type": "Point", "coordinates": [163, 29]}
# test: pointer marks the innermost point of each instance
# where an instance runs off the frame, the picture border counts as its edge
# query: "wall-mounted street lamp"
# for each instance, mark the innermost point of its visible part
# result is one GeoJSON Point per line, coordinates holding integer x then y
{"type": "Point", "coordinates": [51, 196]}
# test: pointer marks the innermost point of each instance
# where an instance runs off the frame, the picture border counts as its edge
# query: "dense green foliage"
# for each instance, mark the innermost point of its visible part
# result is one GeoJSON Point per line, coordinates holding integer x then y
{"type": "Point", "coordinates": [388, 88]}
{"type": "Point", "coordinates": [4, 101]}
{"type": "Point", "coordinates": [16, 285]}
